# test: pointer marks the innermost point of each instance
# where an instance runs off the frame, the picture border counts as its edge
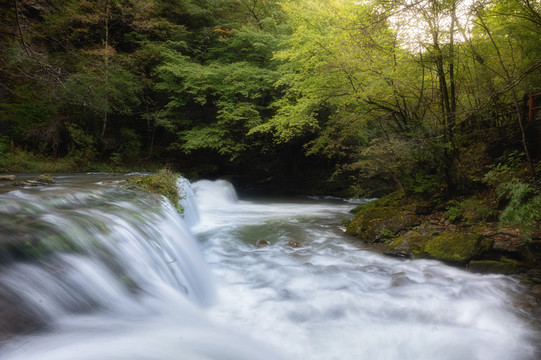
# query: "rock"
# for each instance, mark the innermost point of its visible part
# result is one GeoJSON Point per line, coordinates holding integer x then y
{"type": "Point", "coordinates": [534, 276]}
{"type": "Point", "coordinates": [7, 177]}
{"type": "Point", "coordinates": [531, 253]}
{"type": "Point", "coordinates": [452, 247]}
{"type": "Point", "coordinates": [503, 266]}
{"type": "Point", "coordinates": [35, 9]}
{"type": "Point", "coordinates": [371, 223]}
{"type": "Point", "coordinates": [261, 243]}
{"type": "Point", "coordinates": [15, 318]}
{"type": "Point", "coordinates": [293, 244]}
{"type": "Point", "coordinates": [44, 179]}
{"type": "Point", "coordinates": [423, 210]}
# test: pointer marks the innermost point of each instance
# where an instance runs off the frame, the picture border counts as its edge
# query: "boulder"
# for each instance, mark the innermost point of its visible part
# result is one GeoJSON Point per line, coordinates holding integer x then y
{"type": "Point", "coordinates": [375, 223]}
{"type": "Point", "coordinates": [531, 253]}
{"type": "Point", "coordinates": [448, 246]}
{"type": "Point", "coordinates": [503, 266]}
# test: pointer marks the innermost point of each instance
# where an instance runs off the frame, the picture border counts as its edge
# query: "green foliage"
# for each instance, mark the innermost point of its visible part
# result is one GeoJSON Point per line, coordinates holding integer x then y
{"type": "Point", "coordinates": [426, 184]}
{"type": "Point", "coordinates": [104, 90]}
{"type": "Point", "coordinates": [524, 207]}
{"type": "Point", "coordinates": [386, 233]}
{"type": "Point", "coordinates": [453, 213]}
{"type": "Point", "coordinates": [349, 84]}
{"type": "Point", "coordinates": [471, 210]}
{"type": "Point", "coordinates": [505, 170]}
{"type": "Point", "coordinates": [523, 201]}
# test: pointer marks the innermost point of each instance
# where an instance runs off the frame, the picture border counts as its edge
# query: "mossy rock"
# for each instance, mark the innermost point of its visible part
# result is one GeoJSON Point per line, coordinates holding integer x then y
{"type": "Point", "coordinates": [372, 224]}
{"type": "Point", "coordinates": [503, 266]}
{"type": "Point", "coordinates": [452, 247]}
{"type": "Point", "coordinates": [531, 253]}
{"type": "Point", "coordinates": [163, 183]}
{"type": "Point", "coordinates": [44, 179]}
{"type": "Point", "coordinates": [376, 220]}
{"type": "Point", "coordinates": [407, 245]}
{"type": "Point", "coordinates": [393, 200]}
{"type": "Point", "coordinates": [455, 246]}
{"type": "Point", "coordinates": [26, 247]}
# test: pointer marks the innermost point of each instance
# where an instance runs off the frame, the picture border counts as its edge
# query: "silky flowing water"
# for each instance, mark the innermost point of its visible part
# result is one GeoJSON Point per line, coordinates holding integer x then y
{"type": "Point", "coordinates": [116, 274]}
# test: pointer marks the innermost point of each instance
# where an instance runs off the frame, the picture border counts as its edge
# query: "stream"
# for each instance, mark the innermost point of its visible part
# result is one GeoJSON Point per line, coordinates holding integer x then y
{"type": "Point", "coordinates": [107, 273]}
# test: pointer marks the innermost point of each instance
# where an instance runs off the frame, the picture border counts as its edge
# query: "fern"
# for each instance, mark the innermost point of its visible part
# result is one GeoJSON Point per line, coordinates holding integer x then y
{"type": "Point", "coordinates": [524, 207]}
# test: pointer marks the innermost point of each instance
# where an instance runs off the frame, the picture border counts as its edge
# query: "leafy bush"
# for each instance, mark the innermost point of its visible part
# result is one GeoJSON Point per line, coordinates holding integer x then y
{"type": "Point", "coordinates": [470, 210]}
{"type": "Point", "coordinates": [424, 184]}
{"type": "Point", "coordinates": [524, 207]}
{"type": "Point", "coordinates": [453, 213]}
{"type": "Point", "coordinates": [505, 170]}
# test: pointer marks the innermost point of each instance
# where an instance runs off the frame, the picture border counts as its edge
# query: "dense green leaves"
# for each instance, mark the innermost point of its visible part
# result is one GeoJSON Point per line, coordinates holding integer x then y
{"type": "Point", "coordinates": [419, 96]}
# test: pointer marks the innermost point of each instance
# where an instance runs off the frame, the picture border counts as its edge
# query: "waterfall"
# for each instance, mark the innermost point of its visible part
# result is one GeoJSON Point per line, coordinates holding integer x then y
{"type": "Point", "coordinates": [108, 269]}
{"type": "Point", "coordinates": [188, 202]}
{"type": "Point", "coordinates": [136, 242]}
{"type": "Point", "coordinates": [89, 270]}
{"type": "Point", "coordinates": [214, 194]}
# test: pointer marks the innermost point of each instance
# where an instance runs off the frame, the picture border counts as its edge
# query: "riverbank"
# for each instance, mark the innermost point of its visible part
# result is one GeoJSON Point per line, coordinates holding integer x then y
{"type": "Point", "coordinates": [472, 238]}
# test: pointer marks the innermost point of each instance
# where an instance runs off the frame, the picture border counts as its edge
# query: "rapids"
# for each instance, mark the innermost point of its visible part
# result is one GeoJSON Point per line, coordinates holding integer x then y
{"type": "Point", "coordinates": [115, 274]}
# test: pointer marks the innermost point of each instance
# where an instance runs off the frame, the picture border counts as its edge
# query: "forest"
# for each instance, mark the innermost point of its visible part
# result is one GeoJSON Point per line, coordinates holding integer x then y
{"type": "Point", "coordinates": [357, 98]}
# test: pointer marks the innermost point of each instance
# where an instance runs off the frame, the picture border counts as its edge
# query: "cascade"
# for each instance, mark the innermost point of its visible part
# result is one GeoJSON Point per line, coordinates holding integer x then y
{"type": "Point", "coordinates": [105, 273]}
{"type": "Point", "coordinates": [188, 202]}
{"type": "Point", "coordinates": [115, 274]}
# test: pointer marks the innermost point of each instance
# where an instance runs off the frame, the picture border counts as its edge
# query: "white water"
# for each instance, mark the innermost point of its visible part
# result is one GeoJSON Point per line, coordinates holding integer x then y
{"type": "Point", "coordinates": [138, 287]}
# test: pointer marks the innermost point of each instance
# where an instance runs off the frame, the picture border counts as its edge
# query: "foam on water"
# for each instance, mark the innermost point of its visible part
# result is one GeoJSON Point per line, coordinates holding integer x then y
{"type": "Point", "coordinates": [331, 299]}
{"type": "Point", "coordinates": [119, 275]}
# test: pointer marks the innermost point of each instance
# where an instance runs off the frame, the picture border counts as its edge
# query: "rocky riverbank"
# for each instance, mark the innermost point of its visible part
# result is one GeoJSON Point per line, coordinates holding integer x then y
{"type": "Point", "coordinates": [416, 228]}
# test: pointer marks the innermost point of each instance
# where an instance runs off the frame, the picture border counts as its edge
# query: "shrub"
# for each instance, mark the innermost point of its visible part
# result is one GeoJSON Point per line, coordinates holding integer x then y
{"type": "Point", "coordinates": [524, 207]}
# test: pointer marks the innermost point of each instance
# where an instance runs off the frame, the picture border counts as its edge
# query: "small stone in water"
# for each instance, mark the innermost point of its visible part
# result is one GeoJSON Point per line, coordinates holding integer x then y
{"type": "Point", "coordinates": [293, 244]}
{"type": "Point", "coordinates": [261, 243]}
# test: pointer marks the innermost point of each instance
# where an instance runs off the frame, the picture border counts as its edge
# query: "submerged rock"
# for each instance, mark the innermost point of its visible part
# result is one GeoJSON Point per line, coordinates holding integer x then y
{"type": "Point", "coordinates": [261, 243]}
{"type": "Point", "coordinates": [15, 319]}
{"type": "Point", "coordinates": [293, 244]}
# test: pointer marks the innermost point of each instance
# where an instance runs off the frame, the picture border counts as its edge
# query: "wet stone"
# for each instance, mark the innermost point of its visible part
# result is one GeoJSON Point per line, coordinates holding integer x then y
{"type": "Point", "coordinates": [261, 243]}
{"type": "Point", "coordinates": [293, 244]}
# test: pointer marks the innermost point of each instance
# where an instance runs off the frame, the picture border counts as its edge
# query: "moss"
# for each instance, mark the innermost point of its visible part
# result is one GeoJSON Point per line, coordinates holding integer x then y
{"type": "Point", "coordinates": [503, 266]}
{"type": "Point", "coordinates": [379, 219]}
{"type": "Point", "coordinates": [163, 183]}
{"type": "Point", "coordinates": [392, 200]}
{"type": "Point", "coordinates": [454, 246]}
{"type": "Point", "coordinates": [471, 210]}
{"type": "Point", "coordinates": [409, 245]}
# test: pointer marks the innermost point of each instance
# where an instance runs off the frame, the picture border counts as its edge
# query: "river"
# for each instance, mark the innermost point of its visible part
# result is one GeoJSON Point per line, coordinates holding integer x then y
{"type": "Point", "coordinates": [107, 273]}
